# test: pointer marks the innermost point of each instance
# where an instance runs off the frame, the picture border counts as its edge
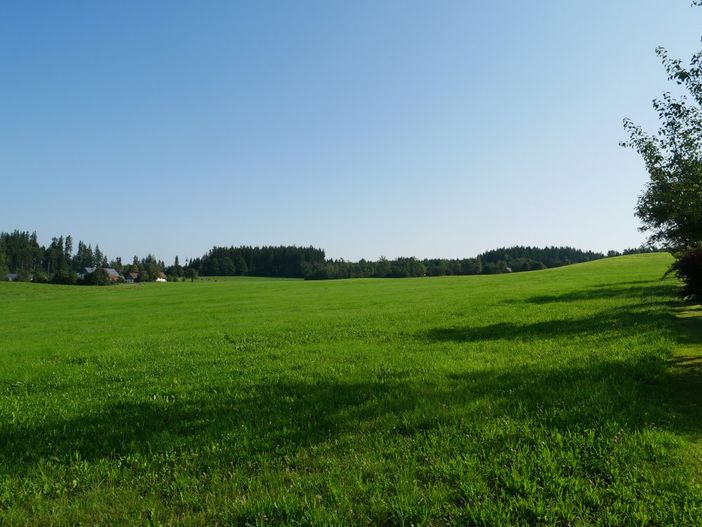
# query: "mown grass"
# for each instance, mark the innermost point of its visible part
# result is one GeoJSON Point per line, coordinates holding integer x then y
{"type": "Point", "coordinates": [560, 397]}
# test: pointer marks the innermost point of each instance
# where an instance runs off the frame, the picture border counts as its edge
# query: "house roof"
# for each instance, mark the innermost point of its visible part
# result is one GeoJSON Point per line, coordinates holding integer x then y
{"type": "Point", "coordinates": [112, 273]}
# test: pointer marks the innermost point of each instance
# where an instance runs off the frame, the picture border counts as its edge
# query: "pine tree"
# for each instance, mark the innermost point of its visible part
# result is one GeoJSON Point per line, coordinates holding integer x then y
{"type": "Point", "coordinates": [98, 256]}
{"type": "Point", "coordinates": [68, 247]}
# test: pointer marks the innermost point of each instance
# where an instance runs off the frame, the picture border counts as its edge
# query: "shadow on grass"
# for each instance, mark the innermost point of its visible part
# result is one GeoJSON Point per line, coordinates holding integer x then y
{"type": "Point", "coordinates": [686, 368]}
{"type": "Point", "coordinates": [690, 321]}
{"type": "Point", "coordinates": [687, 362]}
{"type": "Point", "coordinates": [277, 419]}
{"type": "Point", "coordinates": [634, 290]}
{"type": "Point", "coordinates": [607, 324]}
{"type": "Point", "coordinates": [267, 418]}
{"type": "Point", "coordinates": [274, 420]}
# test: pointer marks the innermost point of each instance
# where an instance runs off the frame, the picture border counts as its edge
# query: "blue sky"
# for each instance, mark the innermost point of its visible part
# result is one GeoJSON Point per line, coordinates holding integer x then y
{"type": "Point", "coordinates": [366, 128]}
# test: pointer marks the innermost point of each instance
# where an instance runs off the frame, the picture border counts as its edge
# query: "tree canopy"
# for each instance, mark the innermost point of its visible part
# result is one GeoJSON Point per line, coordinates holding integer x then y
{"type": "Point", "coordinates": [670, 206]}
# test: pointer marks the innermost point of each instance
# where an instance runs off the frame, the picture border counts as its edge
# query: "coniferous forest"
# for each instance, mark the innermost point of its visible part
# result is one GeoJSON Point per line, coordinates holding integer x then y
{"type": "Point", "coordinates": [63, 261]}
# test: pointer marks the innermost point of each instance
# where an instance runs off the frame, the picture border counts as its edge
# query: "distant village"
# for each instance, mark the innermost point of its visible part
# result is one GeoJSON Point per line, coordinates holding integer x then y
{"type": "Point", "coordinates": [23, 259]}
{"type": "Point", "coordinates": [111, 275]}
{"type": "Point", "coordinates": [98, 276]}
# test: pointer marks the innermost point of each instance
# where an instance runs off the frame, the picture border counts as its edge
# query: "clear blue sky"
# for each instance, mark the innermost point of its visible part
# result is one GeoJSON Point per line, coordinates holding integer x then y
{"type": "Point", "coordinates": [367, 128]}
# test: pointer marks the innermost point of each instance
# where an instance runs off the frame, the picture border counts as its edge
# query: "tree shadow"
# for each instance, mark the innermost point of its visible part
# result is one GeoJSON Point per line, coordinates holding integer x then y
{"type": "Point", "coordinates": [628, 282]}
{"type": "Point", "coordinates": [274, 419]}
{"type": "Point", "coordinates": [670, 390]}
{"type": "Point", "coordinates": [607, 291]}
{"type": "Point", "coordinates": [690, 321]}
{"type": "Point", "coordinates": [687, 362]}
{"type": "Point", "coordinates": [603, 395]}
{"type": "Point", "coordinates": [606, 324]}
{"type": "Point", "coordinates": [269, 416]}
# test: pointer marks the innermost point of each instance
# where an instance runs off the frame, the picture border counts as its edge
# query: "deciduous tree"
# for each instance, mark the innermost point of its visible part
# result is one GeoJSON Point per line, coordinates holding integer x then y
{"type": "Point", "coordinates": [670, 206]}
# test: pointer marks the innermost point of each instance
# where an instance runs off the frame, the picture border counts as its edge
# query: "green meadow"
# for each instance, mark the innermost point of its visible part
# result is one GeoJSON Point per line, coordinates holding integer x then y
{"type": "Point", "coordinates": [568, 396]}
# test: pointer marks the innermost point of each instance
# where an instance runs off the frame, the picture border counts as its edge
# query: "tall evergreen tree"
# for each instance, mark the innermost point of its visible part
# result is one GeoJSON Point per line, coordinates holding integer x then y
{"type": "Point", "coordinates": [3, 263]}
{"type": "Point", "coordinates": [68, 248]}
{"type": "Point", "coordinates": [98, 256]}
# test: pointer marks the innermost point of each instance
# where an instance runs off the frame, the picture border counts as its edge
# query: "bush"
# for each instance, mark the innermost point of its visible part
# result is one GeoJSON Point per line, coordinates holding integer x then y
{"type": "Point", "coordinates": [23, 276]}
{"type": "Point", "coordinates": [40, 277]}
{"type": "Point", "coordinates": [317, 272]}
{"type": "Point", "coordinates": [688, 268]}
{"type": "Point", "coordinates": [64, 278]}
{"type": "Point", "coordinates": [98, 277]}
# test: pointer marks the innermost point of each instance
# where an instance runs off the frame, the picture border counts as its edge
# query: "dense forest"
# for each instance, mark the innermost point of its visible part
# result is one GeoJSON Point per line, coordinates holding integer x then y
{"type": "Point", "coordinates": [506, 260]}
{"type": "Point", "coordinates": [289, 262]}
{"type": "Point", "coordinates": [24, 258]}
{"type": "Point", "coordinates": [310, 263]}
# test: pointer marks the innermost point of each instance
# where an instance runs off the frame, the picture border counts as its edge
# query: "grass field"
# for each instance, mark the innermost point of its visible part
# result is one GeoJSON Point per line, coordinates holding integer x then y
{"type": "Point", "coordinates": [560, 397]}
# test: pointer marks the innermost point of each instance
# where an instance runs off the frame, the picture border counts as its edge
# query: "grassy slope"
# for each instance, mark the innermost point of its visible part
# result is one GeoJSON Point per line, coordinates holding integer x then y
{"type": "Point", "coordinates": [546, 397]}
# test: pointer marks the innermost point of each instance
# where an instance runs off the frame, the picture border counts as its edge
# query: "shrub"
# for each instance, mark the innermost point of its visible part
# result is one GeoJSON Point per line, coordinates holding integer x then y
{"type": "Point", "coordinates": [40, 277]}
{"type": "Point", "coordinates": [317, 272]}
{"type": "Point", "coordinates": [64, 278]}
{"type": "Point", "coordinates": [23, 276]}
{"type": "Point", "coordinates": [688, 268]}
{"type": "Point", "coordinates": [98, 277]}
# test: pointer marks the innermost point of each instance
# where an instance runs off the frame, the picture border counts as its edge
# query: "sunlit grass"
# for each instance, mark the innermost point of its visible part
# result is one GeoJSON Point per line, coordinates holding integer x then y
{"type": "Point", "coordinates": [568, 396]}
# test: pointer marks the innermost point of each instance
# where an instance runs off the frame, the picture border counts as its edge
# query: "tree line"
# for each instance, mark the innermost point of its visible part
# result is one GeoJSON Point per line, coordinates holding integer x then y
{"type": "Point", "coordinates": [281, 261]}
{"type": "Point", "coordinates": [310, 263]}
{"type": "Point", "coordinates": [504, 260]}
{"type": "Point", "coordinates": [23, 256]}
